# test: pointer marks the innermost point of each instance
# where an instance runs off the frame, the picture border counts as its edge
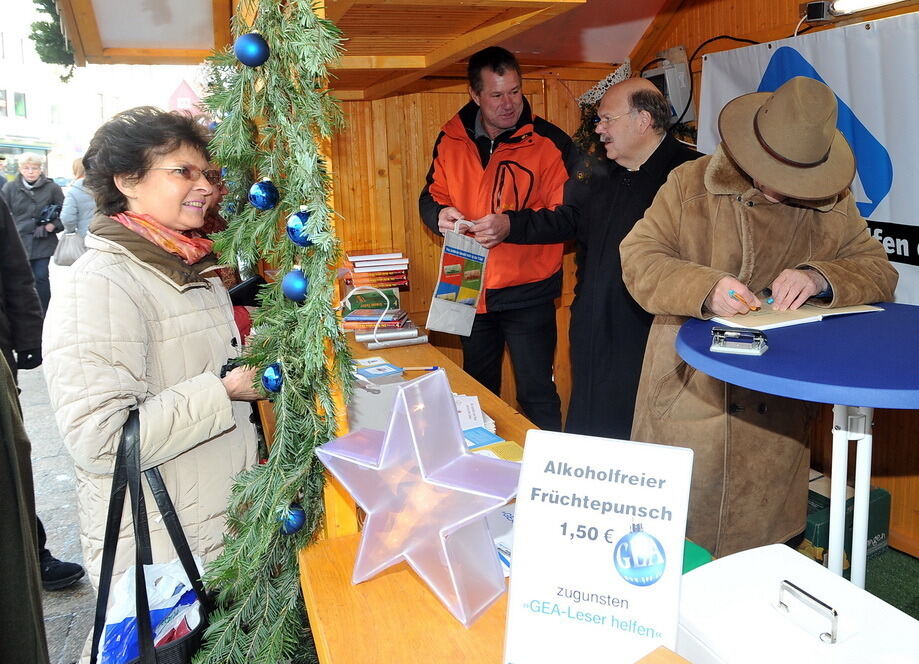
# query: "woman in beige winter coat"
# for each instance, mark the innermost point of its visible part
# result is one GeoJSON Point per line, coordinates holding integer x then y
{"type": "Point", "coordinates": [143, 321]}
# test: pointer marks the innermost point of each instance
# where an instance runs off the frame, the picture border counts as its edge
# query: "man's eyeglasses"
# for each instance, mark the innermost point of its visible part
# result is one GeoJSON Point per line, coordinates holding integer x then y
{"type": "Point", "coordinates": [609, 119]}
{"type": "Point", "coordinates": [192, 173]}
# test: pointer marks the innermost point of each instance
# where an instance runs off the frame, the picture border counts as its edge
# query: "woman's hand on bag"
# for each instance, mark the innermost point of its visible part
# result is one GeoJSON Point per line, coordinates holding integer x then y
{"type": "Point", "coordinates": [238, 384]}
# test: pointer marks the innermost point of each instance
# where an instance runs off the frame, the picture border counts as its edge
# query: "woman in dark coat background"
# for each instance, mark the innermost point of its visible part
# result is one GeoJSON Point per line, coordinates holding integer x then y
{"type": "Point", "coordinates": [28, 197]}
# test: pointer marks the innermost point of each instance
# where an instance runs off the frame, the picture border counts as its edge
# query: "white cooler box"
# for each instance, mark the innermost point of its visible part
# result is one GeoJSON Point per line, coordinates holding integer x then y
{"type": "Point", "coordinates": [738, 610]}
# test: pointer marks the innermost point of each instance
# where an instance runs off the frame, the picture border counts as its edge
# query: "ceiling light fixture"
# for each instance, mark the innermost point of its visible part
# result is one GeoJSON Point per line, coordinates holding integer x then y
{"type": "Point", "coordinates": [845, 7]}
{"type": "Point", "coordinates": [829, 10]}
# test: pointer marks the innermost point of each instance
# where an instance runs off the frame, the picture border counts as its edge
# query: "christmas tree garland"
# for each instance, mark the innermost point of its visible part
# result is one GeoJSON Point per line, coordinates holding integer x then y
{"type": "Point", "coordinates": [273, 111]}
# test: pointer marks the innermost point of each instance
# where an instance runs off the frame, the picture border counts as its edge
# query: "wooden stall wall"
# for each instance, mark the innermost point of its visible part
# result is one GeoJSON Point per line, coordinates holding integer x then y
{"type": "Point", "coordinates": [380, 163]}
{"type": "Point", "coordinates": [690, 23]}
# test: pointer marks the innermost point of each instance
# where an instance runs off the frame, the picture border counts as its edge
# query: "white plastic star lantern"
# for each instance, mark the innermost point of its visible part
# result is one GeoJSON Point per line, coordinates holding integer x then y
{"type": "Point", "coordinates": [426, 498]}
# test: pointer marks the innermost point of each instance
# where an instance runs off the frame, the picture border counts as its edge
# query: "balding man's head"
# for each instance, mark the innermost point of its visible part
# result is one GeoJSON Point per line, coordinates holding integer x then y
{"type": "Point", "coordinates": [633, 118]}
{"type": "Point", "coordinates": [640, 94]}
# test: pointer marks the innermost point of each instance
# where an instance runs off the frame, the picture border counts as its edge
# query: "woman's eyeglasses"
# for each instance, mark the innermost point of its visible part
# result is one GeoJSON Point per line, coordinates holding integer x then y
{"type": "Point", "coordinates": [192, 173]}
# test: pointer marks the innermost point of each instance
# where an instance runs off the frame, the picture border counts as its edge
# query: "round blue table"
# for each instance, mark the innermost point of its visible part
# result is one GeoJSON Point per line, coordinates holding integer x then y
{"type": "Point", "coordinates": [856, 362]}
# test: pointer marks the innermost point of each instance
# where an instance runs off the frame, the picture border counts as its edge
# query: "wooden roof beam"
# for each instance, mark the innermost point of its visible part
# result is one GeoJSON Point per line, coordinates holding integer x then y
{"type": "Point", "coordinates": [499, 4]}
{"type": "Point", "coordinates": [643, 51]}
{"type": "Point", "coordinates": [71, 32]}
{"type": "Point", "coordinates": [469, 43]}
{"type": "Point", "coordinates": [151, 56]}
{"type": "Point", "coordinates": [335, 9]}
{"type": "Point", "coordinates": [86, 32]}
{"type": "Point", "coordinates": [380, 62]}
{"type": "Point", "coordinates": [222, 10]}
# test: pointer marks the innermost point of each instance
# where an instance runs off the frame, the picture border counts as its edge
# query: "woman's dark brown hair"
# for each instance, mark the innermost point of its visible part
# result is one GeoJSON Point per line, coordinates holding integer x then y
{"type": "Point", "coordinates": [128, 144]}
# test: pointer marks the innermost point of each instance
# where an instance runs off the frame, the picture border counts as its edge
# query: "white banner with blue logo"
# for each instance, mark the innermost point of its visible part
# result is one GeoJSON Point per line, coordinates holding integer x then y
{"type": "Point", "coordinates": [874, 70]}
{"type": "Point", "coordinates": [597, 550]}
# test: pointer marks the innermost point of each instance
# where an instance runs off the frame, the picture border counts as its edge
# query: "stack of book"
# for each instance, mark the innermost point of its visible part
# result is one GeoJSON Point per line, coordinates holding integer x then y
{"type": "Point", "coordinates": [383, 270]}
{"type": "Point", "coordinates": [377, 319]}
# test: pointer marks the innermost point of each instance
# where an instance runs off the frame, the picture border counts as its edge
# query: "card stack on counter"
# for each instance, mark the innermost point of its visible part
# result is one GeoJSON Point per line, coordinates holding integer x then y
{"type": "Point", "coordinates": [479, 431]}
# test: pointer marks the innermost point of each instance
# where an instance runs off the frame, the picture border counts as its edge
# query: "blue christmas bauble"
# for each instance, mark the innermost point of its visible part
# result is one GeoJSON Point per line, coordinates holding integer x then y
{"type": "Point", "coordinates": [296, 228]}
{"type": "Point", "coordinates": [294, 285]}
{"type": "Point", "coordinates": [639, 557]}
{"type": "Point", "coordinates": [251, 49]}
{"type": "Point", "coordinates": [293, 519]}
{"type": "Point", "coordinates": [212, 125]}
{"type": "Point", "coordinates": [272, 378]}
{"type": "Point", "coordinates": [263, 195]}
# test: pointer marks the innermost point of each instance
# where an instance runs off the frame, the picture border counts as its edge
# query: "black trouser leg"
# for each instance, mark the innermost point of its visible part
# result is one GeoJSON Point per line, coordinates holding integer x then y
{"type": "Point", "coordinates": [482, 351]}
{"type": "Point", "coordinates": [42, 281]}
{"type": "Point", "coordinates": [42, 538]}
{"type": "Point", "coordinates": [531, 337]}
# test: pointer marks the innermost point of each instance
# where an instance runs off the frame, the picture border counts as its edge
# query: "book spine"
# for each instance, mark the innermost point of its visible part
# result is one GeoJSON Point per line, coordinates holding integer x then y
{"type": "Point", "coordinates": [388, 318]}
{"type": "Point", "coordinates": [354, 325]}
{"type": "Point", "coordinates": [374, 345]}
{"type": "Point", "coordinates": [402, 286]}
{"type": "Point", "coordinates": [378, 283]}
{"type": "Point", "coordinates": [385, 335]}
{"type": "Point", "coordinates": [380, 270]}
{"type": "Point", "coordinates": [363, 256]}
{"type": "Point", "coordinates": [398, 263]}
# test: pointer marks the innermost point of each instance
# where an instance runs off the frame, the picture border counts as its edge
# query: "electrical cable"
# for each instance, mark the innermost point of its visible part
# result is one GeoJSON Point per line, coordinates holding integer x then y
{"type": "Point", "coordinates": [689, 67]}
{"type": "Point", "coordinates": [362, 289]}
{"type": "Point", "coordinates": [798, 27]}
{"type": "Point", "coordinates": [648, 64]}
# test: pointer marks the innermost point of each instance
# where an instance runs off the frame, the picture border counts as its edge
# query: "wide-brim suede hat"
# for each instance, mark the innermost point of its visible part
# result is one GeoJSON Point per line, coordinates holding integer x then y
{"type": "Point", "coordinates": [787, 140]}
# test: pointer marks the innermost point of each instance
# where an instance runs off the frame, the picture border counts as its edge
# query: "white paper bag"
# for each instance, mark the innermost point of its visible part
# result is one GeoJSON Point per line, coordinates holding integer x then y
{"type": "Point", "coordinates": [460, 281]}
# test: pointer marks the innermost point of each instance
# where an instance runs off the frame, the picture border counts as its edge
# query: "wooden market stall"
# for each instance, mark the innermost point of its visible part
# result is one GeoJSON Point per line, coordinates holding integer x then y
{"type": "Point", "coordinates": [402, 77]}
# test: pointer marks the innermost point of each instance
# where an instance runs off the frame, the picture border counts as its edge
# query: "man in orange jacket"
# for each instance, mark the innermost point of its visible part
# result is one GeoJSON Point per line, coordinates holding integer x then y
{"type": "Point", "coordinates": [494, 156]}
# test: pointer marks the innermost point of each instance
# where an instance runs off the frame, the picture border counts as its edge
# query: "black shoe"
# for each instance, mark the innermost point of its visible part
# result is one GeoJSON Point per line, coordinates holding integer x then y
{"type": "Point", "coordinates": [57, 575]}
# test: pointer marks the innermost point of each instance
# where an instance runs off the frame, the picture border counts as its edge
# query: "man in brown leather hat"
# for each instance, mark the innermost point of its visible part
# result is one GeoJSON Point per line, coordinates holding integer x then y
{"type": "Point", "coordinates": [769, 209]}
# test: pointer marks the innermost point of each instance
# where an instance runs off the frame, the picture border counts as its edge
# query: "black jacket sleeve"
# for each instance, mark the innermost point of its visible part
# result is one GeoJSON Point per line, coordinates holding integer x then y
{"type": "Point", "coordinates": [566, 221]}
{"type": "Point", "coordinates": [427, 206]}
{"type": "Point", "coordinates": [21, 306]}
{"type": "Point", "coordinates": [57, 197]}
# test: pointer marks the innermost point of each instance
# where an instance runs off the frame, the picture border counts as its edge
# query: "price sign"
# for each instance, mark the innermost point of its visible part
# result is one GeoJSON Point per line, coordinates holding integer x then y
{"type": "Point", "coordinates": [597, 550]}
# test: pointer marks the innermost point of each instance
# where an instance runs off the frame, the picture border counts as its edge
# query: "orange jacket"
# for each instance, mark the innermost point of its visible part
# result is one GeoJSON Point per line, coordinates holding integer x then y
{"type": "Point", "coordinates": [523, 168]}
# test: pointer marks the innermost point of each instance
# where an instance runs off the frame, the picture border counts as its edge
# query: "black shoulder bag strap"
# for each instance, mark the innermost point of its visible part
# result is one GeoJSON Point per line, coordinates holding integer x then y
{"type": "Point", "coordinates": [127, 476]}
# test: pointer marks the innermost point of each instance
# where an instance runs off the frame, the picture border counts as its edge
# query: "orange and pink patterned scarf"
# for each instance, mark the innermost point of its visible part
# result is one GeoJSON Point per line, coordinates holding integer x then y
{"type": "Point", "coordinates": [189, 249]}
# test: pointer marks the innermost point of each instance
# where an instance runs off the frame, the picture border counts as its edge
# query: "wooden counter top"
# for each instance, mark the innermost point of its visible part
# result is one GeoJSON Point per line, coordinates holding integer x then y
{"type": "Point", "coordinates": [394, 618]}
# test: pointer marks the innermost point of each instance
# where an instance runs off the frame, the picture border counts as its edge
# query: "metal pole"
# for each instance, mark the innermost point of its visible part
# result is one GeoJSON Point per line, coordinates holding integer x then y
{"type": "Point", "coordinates": [838, 488]}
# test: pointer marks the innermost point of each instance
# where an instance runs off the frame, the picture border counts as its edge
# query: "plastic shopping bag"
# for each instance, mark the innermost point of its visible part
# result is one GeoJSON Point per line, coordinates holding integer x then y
{"type": "Point", "coordinates": [174, 611]}
{"type": "Point", "coordinates": [459, 284]}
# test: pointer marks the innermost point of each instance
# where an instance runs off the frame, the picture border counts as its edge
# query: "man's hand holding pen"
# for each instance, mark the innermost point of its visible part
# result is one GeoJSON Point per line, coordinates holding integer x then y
{"type": "Point", "coordinates": [731, 297]}
{"type": "Point", "coordinates": [790, 290]}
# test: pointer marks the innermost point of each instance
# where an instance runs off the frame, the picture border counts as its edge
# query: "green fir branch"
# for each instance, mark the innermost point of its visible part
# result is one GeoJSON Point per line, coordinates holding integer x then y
{"type": "Point", "coordinates": [271, 122]}
{"type": "Point", "coordinates": [48, 36]}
